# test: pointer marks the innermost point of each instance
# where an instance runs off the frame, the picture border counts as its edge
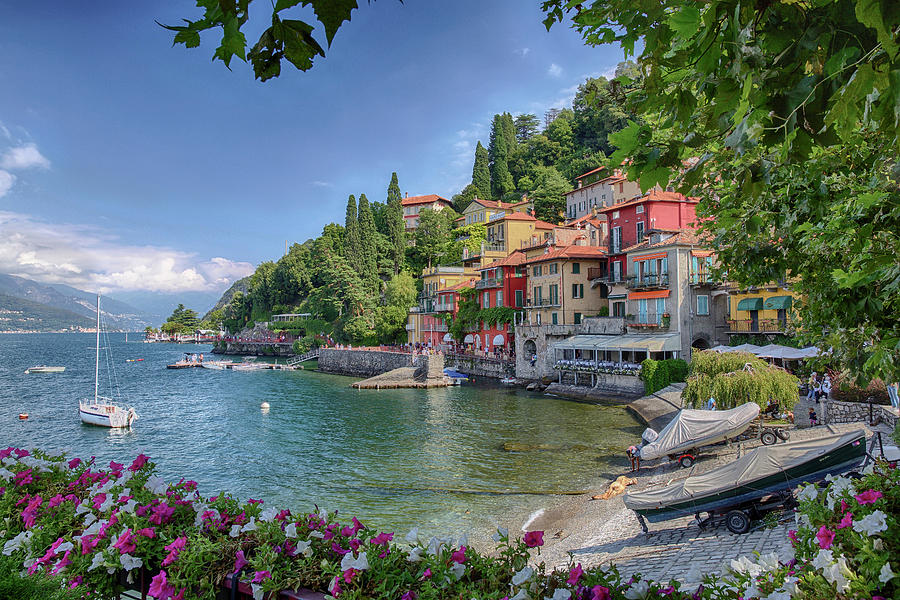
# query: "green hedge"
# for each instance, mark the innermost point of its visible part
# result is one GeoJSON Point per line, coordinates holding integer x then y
{"type": "Point", "coordinates": [658, 374]}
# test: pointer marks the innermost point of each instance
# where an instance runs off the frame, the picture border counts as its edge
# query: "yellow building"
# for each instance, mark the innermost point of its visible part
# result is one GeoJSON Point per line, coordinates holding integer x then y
{"type": "Point", "coordinates": [559, 285]}
{"type": "Point", "coordinates": [761, 310]}
{"type": "Point", "coordinates": [420, 321]}
{"type": "Point", "coordinates": [481, 211]}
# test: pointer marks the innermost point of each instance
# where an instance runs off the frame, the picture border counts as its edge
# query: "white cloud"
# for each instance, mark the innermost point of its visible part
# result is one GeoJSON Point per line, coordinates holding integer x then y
{"type": "Point", "coordinates": [7, 180]}
{"type": "Point", "coordinates": [523, 52]}
{"type": "Point", "coordinates": [555, 70]}
{"type": "Point", "coordinates": [89, 258]}
{"type": "Point", "coordinates": [26, 156]}
{"type": "Point", "coordinates": [324, 184]}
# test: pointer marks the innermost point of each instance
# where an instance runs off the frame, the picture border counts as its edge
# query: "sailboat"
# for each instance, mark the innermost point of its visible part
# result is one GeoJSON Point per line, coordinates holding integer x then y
{"type": "Point", "coordinates": [103, 411]}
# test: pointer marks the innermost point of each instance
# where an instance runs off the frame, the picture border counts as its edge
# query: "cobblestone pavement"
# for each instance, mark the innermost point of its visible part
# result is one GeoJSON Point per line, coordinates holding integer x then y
{"type": "Point", "coordinates": [672, 550]}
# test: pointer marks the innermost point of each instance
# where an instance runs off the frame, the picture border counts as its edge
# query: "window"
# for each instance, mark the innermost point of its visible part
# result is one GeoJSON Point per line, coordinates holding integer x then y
{"type": "Point", "coordinates": [554, 294]}
{"type": "Point", "coordinates": [537, 319]}
{"type": "Point", "coordinates": [553, 319]}
{"type": "Point", "coordinates": [616, 245]}
{"type": "Point", "coordinates": [486, 300]}
{"type": "Point", "coordinates": [536, 296]}
{"type": "Point", "coordinates": [578, 318]}
{"type": "Point", "coordinates": [618, 309]}
{"type": "Point", "coordinates": [578, 290]}
{"type": "Point", "coordinates": [576, 268]}
{"type": "Point", "coordinates": [536, 271]}
{"type": "Point", "coordinates": [519, 298]}
{"type": "Point", "coordinates": [640, 232]}
{"type": "Point", "coordinates": [617, 270]}
{"type": "Point", "coordinates": [615, 214]}
{"type": "Point", "coordinates": [703, 305]}
{"type": "Point", "coordinates": [499, 297]}
{"type": "Point", "coordinates": [639, 209]}
{"type": "Point", "coordinates": [552, 269]}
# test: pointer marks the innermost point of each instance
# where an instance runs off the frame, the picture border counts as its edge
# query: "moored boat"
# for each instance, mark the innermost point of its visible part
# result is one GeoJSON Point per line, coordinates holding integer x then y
{"type": "Point", "coordinates": [45, 369]}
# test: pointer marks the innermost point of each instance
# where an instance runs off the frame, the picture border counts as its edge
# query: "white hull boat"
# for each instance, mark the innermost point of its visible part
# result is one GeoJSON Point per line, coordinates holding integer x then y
{"type": "Point", "coordinates": [214, 366]}
{"type": "Point", "coordinates": [102, 411]}
{"type": "Point", "coordinates": [45, 369]}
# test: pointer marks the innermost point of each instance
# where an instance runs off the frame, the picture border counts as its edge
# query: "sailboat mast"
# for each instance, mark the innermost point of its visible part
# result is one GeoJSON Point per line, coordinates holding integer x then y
{"type": "Point", "coordinates": [97, 363]}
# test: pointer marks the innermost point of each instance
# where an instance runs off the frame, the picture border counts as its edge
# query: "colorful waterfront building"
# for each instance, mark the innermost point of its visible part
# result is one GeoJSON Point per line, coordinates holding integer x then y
{"type": "Point", "coordinates": [436, 323]}
{"type": "Point", "coordinates": [413, 205]}
{"type": "Point", "coordinates": [502, 284]}
{"type": "Point", "coordinates": [599, 188]}
{"type": "Point", "coordinates": [419, 324]}
{"type": "Point", "coordinates": [559, 284]}
{"type": "Point", "coordinates": [762, 310]}
{"type": "Point", "coordinates": [507, 232]}
{"type": "Point", "coordinates": [481, 211]}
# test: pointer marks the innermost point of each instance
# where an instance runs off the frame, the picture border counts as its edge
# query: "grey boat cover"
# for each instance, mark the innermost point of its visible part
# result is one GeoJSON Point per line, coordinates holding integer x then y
{"type": "Point", "coordinates": [695, 428]}
{"type": "Point", "coordinates": [753, 466]}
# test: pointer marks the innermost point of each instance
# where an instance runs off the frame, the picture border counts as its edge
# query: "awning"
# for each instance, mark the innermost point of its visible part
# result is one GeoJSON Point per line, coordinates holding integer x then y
{"type": "Point", "coordinates": [750, 304]}
{"type": "Point", "coordinates": [650, 256]}
{"type": "Point", "coordinates": [666, 342]}
{"type": "Point", "coordinates": [778, 302]}
{"type": "Point", "coordinates": [616, 297]}
{"type": "Point", "coordinates": [448, 337]}
{"type": "Point", "coordinates": [648, 295]}
{"type": "Point", "coordinates": [701, 253]}
{"type": "Point", "coordinates": [498, 340]}
{"type": "Point", "coordinates": [468, 339]}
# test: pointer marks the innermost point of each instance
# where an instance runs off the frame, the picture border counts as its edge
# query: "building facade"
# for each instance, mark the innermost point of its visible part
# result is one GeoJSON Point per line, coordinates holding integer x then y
{"type": "Point", "coordinates": [413, 205]}
{"type": "Point", "coordinates": [598, 189]}
{"type": "Point", "coordinates": [559, 287]}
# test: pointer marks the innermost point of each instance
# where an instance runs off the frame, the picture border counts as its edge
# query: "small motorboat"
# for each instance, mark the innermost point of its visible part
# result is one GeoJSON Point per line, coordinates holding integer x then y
{"type": "Point", "coordinates": [214, 365]}
{"type": "Point", "coordinates": [509, 381]}
{"type": "Point", "coordinates": [44, 369]}
{"type": "Point", "coordinates": [691, 430]}
{"type": "Point", "coordinates": [455, 377]}
{"type": "Point", "coordinates": [763, 478]}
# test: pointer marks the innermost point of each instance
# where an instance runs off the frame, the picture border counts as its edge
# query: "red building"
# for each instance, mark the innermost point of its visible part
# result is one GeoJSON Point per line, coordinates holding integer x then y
{"type": "Point", "coordinates": [435, 330]}
{"type": "Point", "coordinates": [503, 283]}
{"type": "Point", "coordinates": [631, 220]}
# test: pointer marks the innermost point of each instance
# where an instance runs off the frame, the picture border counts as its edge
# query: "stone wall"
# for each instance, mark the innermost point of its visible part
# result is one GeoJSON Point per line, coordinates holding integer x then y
{"type": "Point", "coordinates": [537, 339]}
{"type": "Point", "coordinates": [603, 384]}
{"type": "Point", "coordinates": [858, 412]}
{"type": "Point", "coordinates": [480, 366]}
{"type": "Point", "coordinates": [361, 363]}
{"type": "Point", "coordinates": [253, 349]}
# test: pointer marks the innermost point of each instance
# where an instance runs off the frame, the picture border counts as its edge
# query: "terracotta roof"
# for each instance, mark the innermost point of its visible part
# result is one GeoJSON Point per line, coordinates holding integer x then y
{"type": "Point", "coordinates": [469, 283]}
{"type": "Point", "coordinates": [538, 224]}
{"type": "Point", "coordinates": [459, 219]}
{"type": "Point", "coordinates": [567, 252]}
{"type": "Point", "coordinates": [652, 195]}
{"type": "Point", "coordinates": [493, 203]}
{"type": "Point", "coordinates": [683, 237]}
{"type": "Point", "coordinates": [517, 257]}
{"type": "Point", "coordinates": [588, 218]}
{"type": "Point", "coordinates": [429, 199]}
{"type": "Point", "coordinates": [591, 172]}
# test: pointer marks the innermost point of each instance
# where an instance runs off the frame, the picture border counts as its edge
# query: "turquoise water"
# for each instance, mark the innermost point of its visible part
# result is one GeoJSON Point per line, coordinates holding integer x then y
{"type": "Point", "coordinates": [454, 459]}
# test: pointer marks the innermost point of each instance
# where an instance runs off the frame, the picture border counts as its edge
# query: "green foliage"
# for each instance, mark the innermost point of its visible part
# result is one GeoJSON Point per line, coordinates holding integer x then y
{"type": "Point", "coordinates": [432, 235]}
{"type": "Point", "coordinates": [527, 126]}
{"type": "Point", "coordinates": [368, 240]}
{"type": "Point", "coordinates": [497, 315]}
{"type": "Point", "coordinates": [845, 389]}
{"type": "Point", "coordinates": [600, 108]}
{"type": "Point", "coordinates": [14, 586]}
{"type": "Point", "coordinates": [763, 340]}
{"type": "Point", "coordinates": [501, 147]}
{"type": "Point", "coordinates": [353, 236]}
{"type": "Point", "coordinates": [735, 378]}
{"type": "Point", "coordinates": [469, 237]}
{"type": "Point", "coordinates": [396, 228]}
{"type": "Point", "coordinates": [549, 192]}
{"type": "Point", "coordinates": [658, 374]}
{"type": "Point", "coordinates": [466, 314]}
{"type": "Point", "coordinates": [182, 320]}
{"type": "Point", "coordinates": [481, 174]}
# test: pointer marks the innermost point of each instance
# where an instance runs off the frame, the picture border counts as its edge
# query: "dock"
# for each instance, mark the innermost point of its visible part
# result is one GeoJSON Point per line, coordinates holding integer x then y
{"type": "Point", "coordinates": [222, 365]}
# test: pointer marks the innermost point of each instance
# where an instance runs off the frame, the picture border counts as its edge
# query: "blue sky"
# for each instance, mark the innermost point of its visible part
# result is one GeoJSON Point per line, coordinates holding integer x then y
{"type": "Point", "coordinates": [140, 169]}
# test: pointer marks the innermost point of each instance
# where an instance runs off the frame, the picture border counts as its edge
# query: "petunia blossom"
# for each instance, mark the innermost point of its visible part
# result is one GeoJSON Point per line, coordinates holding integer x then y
{"type": "Point", "coordinates": [260, 576]}
{"type": "Point", "coordinates": [871, 524]}
{"type": "Point", "coordinates": [868, 497]}
{"type": "Point", "coordinates": [160, 588]}
{"type": "Point", "coordinates": [598, 592]}
{"type": "Point", "coordinates": [139, 462]}
{"type": "Point", "coordinates": [125, 542]}
{"type": "Point", "coordinates": [459, 556]}
{"type": "Point", "coordinates": [575, 574]}
{"type": "Point", "coordinates": [239, 561]}
{"type": "Point", "coordinates": [825, 537]}
{"type": "Point", "coordinates": [534, 539]}
{"type": "Point", "coordinates": [846, 521]}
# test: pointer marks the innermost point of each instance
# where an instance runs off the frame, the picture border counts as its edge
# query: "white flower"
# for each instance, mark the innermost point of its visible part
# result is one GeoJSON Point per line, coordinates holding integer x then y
{"type": "Point", "coordinates": [268, 515]}
{"type": "Point", "coordinates": [871, 524]}
{"type": "Point", "coordinates": [235, 531]}
{"type": "Point", "coordinates": [745, 565]}
{"type": "Point", "coordinates": [317, 534]}
{"type": "Point", "coordinates": [458, 569]}
{"type": "Point", "coordinates": [20, 541]}
{"type": "Point", "coordinates": [291, 530]}
{"type": "Point", "coordinates": [502, 532]}
{"type": "Point", "coordinates": [522, 576]}
{"type": "Point", "coordinates": [303, 547]}
{"type": "Point", "coordinates": [834, 575]}
{"type": "Point", "coordinates": [415, 555]}
{"type": "Point", "coordinates": [89, 518]}
{"type": "Point", "coordinates": [250, 526]}
{"type": "Point", "coordinates": [98, 561]}
{"type": "Point", "coordinates": [870, 468]}
{"type": "Point", "coordinates": [810, 492]}
{"type": "Point", "coordinates": [106, 504]}
{"type": "Point", "coordinates": [522, 595]}
{"type": "Point", "coordinates": [779, 595]}
{"type": "Point", "coordinates": [6, 475]}
{"type": "Point", "coordinates": [331, 586]}
{"type": "Point", "coordinates": [9, 461]}
{"type": "Point", "coordinates": [361, 563]}
{"type": "Point", "coordinates": [93, 529]}
{"type": "Point", "coordinates": [434, 546]}
{"type": "Point", "coordinates": [82, 508]}
{"type": "Point", "coordinates": [886, 573]}
{"type": "Point", "coordinates": [128, 508]}
{"type": "Point", "coordinates": [823, 559]}
{"type": "Point", "coordinates": [878, 544]}
{"type": "Point", "coordinates": [125, 478]}
{"type": "Point", "coordinates": [769, 562]}
{"type": "Point", "coordinates": [130, 562]}
{"type": "Point", "coordinates": [65, 547]}
{"type": "Point", "coordinates": [637, 591]}
{"type": "Point", "coordinates": [156, 485]}
{"type": "Point", "coordinates": [413, 536]}
{"type": "Point", "coordinates": [790, 585]}
{"type": "Point", "coordinates": [257, 591]}
{"type": "Point", "coordinates": [751, 592]}
{"type": "Point", "coordinates": [559, 594]}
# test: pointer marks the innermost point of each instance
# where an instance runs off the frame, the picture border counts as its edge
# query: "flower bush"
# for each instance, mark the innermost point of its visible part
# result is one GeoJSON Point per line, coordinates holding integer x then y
{"type": "Point", "coordinates": [92, 528]}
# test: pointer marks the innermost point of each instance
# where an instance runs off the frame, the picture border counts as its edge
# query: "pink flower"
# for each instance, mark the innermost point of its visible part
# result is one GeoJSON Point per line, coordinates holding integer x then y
{"type": "Point", "coordinates": [666, 591]}
{"type": "Point", "coordinates": [260, 576]}
{"type": "Point", "coordinates": [575, 574]}
{"type": "Point", "coordinates": [139, 462]}
{"type": "Point", "coordinates": [844, 506]}
{"type": "Point", "coordinates": [382, 539]}
{"type": "Point", "coordinates": [147, 532]}
{"type": "Point", "coordinates": [349, 574]}
{"type": "Point", "coordinates": [161, 513]}
{"type": "Point", "coordinates": [75, 582]}
{"type": "Point", "coordinates": [74, 464]}
{"type": "Point", "coordinates": [598, 592]}
{"type": "Point", "coordinates": [55, 501]}
{"type": "Point", "coordinates": [125, 543]}
{"type": "Point", "coordinates": [410, 595]}
{"type": "Point", "coordinates": [115, 467]}
{"type": "Point", "coordinates": [281, 516]}
{"type": "Point", "coordinates": [459, 556]}
{"type": "Point", "coordinates": [847, 521]}
{"type": "Point", "coordinates": [868, 497]}
{"type": "Point", "coordinates": [792, 534]}
{"type": "Point", "coordinates": [533, 539]}
{"type": "Point", "coordinates": [825, 537]}
{"type": "Point", "coordinates": [62, 564]}
{"type": "Point", "coordinates": [160, 588]}
{"type": "Point", "coordinates": [239, 561]}
{"type": "Point", "coordinates": [174, 548]}
{"type": "Point", "coordinates": [88, 543]}
{"type": "Point", "coordinates": [21, 453]}
{"type": "Point", "coordinates": [5, 452]}
{"type": "Point", "coordinates": [427, 573]}
{"type": "Point", "coordinates": [98, 500]}
{"type": "Point", "coordinates": [24, 478]}
{"type": "Point", "coordinates": [337, 548]}
{"type": "Point", "coordinates": [351, 531]}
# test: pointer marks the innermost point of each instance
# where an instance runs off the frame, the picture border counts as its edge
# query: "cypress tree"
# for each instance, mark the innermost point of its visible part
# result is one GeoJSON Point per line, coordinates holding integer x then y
{"type": "Point", "coordinates": [498, 153]}
{"type": "Point", "coordinates": [481, 173]}
{"type": "Point", "coordinates": [368, 240]}
{"type": "Point", "coordinates": [395, 225]}
{"type": "Point", "coordinates": [352, 236]}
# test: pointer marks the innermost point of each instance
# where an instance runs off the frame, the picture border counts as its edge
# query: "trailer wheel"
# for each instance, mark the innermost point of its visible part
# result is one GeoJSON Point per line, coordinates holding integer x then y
{"type": "Point", "coordinates": [737, 521]}
{"type": "Point", "coordinates": [784, 434]}
{"type": "Point", "coordinates": [768, 438]}
{"type": "Point", "coordinates": [686, 461]}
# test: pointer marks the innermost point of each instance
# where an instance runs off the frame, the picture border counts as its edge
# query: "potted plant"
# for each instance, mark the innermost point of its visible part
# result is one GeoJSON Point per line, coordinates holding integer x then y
{"type": "Point", "coordinates": [666, 319]}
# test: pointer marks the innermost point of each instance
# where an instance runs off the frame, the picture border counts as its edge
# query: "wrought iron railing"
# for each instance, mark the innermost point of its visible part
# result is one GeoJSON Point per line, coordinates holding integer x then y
{"type": "Point", "coordinates": [760, 326]}
{"type": "Point", "coordinates": [653, 280]}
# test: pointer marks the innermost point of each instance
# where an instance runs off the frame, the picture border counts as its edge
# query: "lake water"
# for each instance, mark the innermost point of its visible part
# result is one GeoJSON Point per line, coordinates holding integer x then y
{"type": "Point", "coordinates": [464, 458]}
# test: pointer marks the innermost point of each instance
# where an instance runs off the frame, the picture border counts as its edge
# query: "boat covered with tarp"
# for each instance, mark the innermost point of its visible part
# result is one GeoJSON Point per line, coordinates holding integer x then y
{"type": "Point", "coordinates": [692, 429]}
{"type": "Point", "coordinates": [764, 471]}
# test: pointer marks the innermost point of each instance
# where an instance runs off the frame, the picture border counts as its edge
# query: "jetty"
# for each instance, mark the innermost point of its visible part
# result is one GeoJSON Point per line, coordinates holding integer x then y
{"type": "Point", "coordinates": [427, 371]}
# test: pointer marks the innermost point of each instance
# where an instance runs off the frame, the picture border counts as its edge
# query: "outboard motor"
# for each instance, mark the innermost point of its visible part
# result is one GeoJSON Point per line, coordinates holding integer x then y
{"type": "Point", "coordinates": [649, 436]}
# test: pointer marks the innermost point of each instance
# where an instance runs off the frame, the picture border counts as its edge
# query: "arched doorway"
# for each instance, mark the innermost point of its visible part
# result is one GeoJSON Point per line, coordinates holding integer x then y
{"type": "Point", "coordinates": [700, 344]}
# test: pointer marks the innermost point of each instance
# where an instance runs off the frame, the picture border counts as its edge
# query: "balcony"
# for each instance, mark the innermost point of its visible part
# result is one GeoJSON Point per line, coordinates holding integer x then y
{"type": "Point", "coordinates": [435, 327]}
{"type": "Point", "coordinates": [542, 303]}
{"type": "Point", "coordinates": [489, 282]}
{"type": "Point", "coordinates": [703, 279]}
{"type": "Point", "coordinates": [410, 327]}
{"type": "Point", "coordinates": [597, 273]}
{"type": "Point", "coordinates": [757, 326]}
{"type": "Point", "coordinates": [654, 321]}
{"type": "Point", "coordinates": [615, 247]}
{"type": "Point", "coordinates": [653, 281]}
{"type": "Point", "coordinates": [493, 246]}
{"type": "Point", "coordinates": [445, 307]}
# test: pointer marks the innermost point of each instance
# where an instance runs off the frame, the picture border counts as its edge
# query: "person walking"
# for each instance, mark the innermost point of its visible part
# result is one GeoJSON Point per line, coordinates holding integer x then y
{"type": "Point", "coordinates": [892, 390]}
{"type": "Point", "coordinates": [811, 386]}
{"type": "Point", "coordinates": [826, 387]}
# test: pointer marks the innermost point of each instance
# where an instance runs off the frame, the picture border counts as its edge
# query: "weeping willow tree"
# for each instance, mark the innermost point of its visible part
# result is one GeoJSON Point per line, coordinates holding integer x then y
{"type": "Point", "coordinates": [734, 378]}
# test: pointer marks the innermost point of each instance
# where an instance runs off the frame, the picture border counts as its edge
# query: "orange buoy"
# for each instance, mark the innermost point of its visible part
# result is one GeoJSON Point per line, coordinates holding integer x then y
{"type": "Point", "coordinates": [23, 416]}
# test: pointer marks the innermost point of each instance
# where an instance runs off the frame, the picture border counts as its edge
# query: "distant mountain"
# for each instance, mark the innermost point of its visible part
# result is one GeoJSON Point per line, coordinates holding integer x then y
{"type": "Point", "coordinates": [71, 301]}
{"type": "Point", "coordinates": [19, 314]}
{"type": "Point", "coordinates": [159, 305]}
{"type": "Point", "coordinates": [240, 285]}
